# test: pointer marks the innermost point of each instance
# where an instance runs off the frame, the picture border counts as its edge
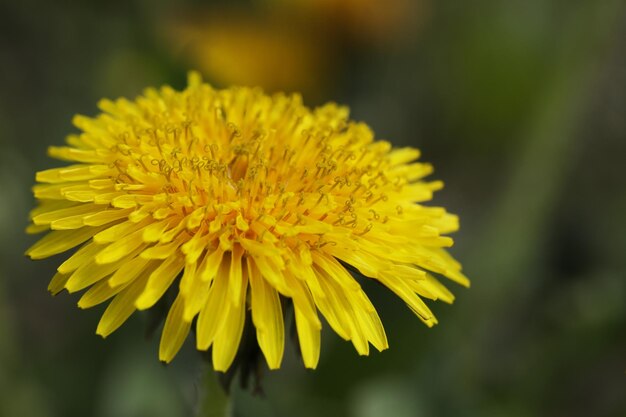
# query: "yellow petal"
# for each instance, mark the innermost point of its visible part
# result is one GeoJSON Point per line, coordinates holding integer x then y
{"type": "Point", "coordinates": [59, 241]}
{"type": "Point", "coordinates": [153, 232]}
{"type": "Point", "coordinates": [188, 278]}
{"type": "Point", "coordinates": [49, 191]}
{"type": "Point", "coordinates": [68, 223]}
{"type": "Point", "coordinates": [195, 218]}
{"type": "Point", "coordinates": [89, 274]}
{"type": "Point", "coordinates": [169, 235]}
{"type": "Point", "coordinates": [142, 212]}
{"type": "Point", "coordinates": [194, 247]}
{"type": "Point", "coordinates": [74, 173]}
{"type": "Point", "coordinates": [406, 272]}
{"type": "Point", "coordinates": [119, 231]}
{"type": "Point", "coordinates": [339, 309]}
{"type": "Point", "coordinates": [195, 290]}
{"type": "Point", "coordinates": [82, 256]}
{"type": "Point", "coordinates": [227, 339]}
{"type": "Point", "coordinates": [335, 270]}
{"type": "Point", "coordinates": [447, 223]}
{"type": "Point", "coordinates": [102, 184]}
{"type": "Point", "coordinates": [129, 271]}
{"type": "Point", "coordinates": [437, 288]}
{"type": "Point", "coordinates": [211, 264]}
{"type": "Point", "coordinates": [164, 251]}
{"type": "Point", "coordinates": [272, 273]}
{"type": "Point", "coordinates": [160, 280]}
{"type": "Point", "coordinates": [431, 288]}
{"type": "Point", "coordinates": [107, 198]}
{"type": "Point", "coordinates": [69, 218]}
{"type": "Point", "coordinates": [175, 331]}
{"type": "Point", "coordinates": [122, 306]}
{"type": "Point", "coordinates": [46, 206]}
{"type": "Point", "coordinates": [124, 200]}
{"type": "Point", "coordinates": [369, 266]}
{"type": "Point", "coordinates": [117, 250]}
{"type": "Point", "coordinates": [267, 317]}
{"type": "Point", "coordinates": [83, 194]}
{"type": "Point", "coordinates": [303, 298]}
{"type": "Point", "coordinates": [403, 290]}
{"type": "Point", "coordinates": [106, 216]}
{"type": "Point", "coordinates": [99, 293]}
{"type": "Point", "coordinates": [58, 283]}
{"type": "Point", "coordinates": [369, 321]}
{"type": "Point", "coordinates": [236, 280]}
{"type": "Point", "coordinates": [92, 272]}
{"type": "Point", "coordinates": [329, 306]}
{"type": "Point", "coordinates": [210, 318]}
{"type": "Point", "coordinates": [259, 249]}
{"type": "Point", "coordinates": [33, 230]}
{"type": "Point", "coordinates": [309, 339]}
{"type": "Point", "coordinates": [241, 223]}
{"type": "Point", "coordinates": [79, 155]}
{"type": "Point", "coordinates": [304, 271]}
{"type": "Point", "coordinates": [403, 155]}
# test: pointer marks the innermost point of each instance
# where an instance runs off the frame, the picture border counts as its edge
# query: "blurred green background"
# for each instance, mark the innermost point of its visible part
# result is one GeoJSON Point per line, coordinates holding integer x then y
{"type": "Point", "coordinates": [520, 105]}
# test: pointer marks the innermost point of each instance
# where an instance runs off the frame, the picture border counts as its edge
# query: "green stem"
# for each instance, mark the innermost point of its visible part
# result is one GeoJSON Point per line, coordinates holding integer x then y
{"type": "Point", "coordinates": [214, 401]}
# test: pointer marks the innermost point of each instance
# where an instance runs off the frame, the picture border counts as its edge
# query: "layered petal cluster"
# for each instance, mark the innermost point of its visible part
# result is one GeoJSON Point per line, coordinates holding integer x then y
{"type": "Point", "coordinates": [241, 202]}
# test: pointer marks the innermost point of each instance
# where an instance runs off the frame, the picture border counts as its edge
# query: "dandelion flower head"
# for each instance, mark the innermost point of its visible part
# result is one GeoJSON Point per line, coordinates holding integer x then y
{"type": "Point", "coordinates": [241, 202]}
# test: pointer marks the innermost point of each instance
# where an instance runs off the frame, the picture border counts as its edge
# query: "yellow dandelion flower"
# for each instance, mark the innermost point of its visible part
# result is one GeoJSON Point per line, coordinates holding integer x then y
{"type": "Point", "coordinates": [248, 199]}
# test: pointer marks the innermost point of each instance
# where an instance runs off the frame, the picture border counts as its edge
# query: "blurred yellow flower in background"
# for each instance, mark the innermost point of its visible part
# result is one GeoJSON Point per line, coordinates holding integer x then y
{"type": "Point", "coordinates": [253, 201]}
{"type": "Point", "coordinates": [239, 49]}
{"type": "Point", "coordinates": [298, 45]}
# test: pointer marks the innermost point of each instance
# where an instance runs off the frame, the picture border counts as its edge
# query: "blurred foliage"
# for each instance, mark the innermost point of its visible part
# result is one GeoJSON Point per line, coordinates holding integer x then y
{"type": "Point", "coordinates": [521, 107]}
